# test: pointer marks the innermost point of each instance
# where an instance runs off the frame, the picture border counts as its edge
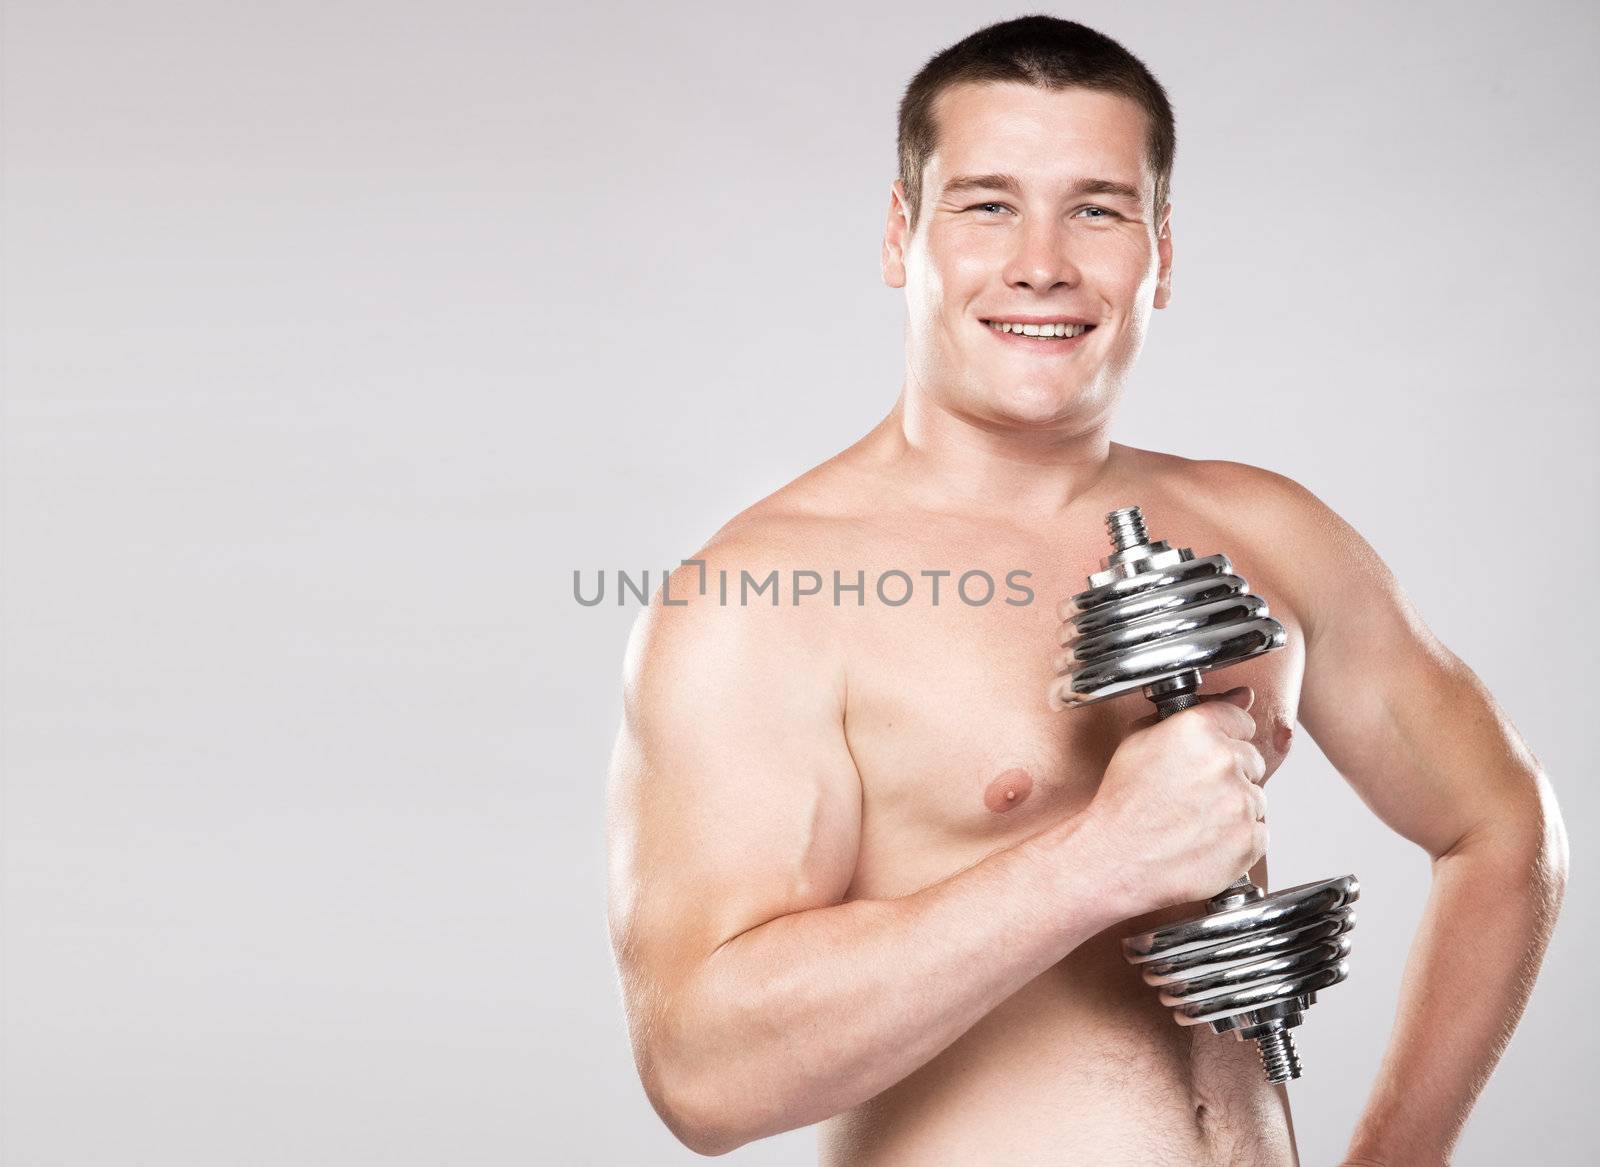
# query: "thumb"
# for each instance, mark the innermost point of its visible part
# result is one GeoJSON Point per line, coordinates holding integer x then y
{"type": "Point", "coordinates": [1242, 695]}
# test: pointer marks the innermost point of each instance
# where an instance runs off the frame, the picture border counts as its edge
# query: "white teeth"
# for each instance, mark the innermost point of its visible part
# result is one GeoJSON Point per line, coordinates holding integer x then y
{"type": "Point", "coordinates": [1040, 329]}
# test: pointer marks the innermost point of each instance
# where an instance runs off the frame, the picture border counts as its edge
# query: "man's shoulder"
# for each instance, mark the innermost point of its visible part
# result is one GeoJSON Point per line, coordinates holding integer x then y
{"type": "Point", "coordinates": [1259, 516]}
{"type": "Point", "coordinates": [1251, 498]}
{"type": "Point", "coordinates": [1271, 506]}
{"type": "Point", "coordinates": [731, 601]}
{"type": "Point", "coordinates": [1313, 556]}
{"type": "Point", "coordinates": [1216, 479]}
{"type": "Point", "coordinates": [818, 515]}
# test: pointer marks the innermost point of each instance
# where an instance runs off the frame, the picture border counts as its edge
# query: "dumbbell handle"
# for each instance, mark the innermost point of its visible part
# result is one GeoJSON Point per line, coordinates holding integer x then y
{"type": "Point", "coordinates": [1165, 708]}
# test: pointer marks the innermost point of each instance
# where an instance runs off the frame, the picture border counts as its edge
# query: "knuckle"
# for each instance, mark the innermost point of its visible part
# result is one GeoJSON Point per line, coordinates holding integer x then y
{"type": "Point", "coordinates": [1247, 798]}
{"type": "Point", "coordinates": [1230, 721]}
{"type": "Point", "coordinates": [1228, 754]}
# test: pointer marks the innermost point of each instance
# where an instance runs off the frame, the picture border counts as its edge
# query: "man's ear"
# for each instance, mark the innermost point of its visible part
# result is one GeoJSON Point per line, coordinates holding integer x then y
{"type": "Point", "coordinates": [896, 234]}
{"type": "Point", "coordinates": [1164, 250]}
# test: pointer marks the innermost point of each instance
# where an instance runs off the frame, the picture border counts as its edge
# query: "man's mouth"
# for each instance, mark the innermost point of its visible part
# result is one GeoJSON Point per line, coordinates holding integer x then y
{"type": "Point", "coordinates": [1057, 329]}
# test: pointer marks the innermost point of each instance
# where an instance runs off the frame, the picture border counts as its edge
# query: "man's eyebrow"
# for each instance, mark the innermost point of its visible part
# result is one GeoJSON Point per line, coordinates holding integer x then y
{"type": "Point", "coordinates": [963, 183]}
{"type": "Point", "coordinates": [1106, 186]}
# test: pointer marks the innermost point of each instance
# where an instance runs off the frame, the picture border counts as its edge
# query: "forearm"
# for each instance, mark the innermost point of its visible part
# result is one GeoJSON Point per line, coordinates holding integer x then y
{"type": "Point", "coordinates": [812, 1013]}
{"type": "Point", "coordinates": [1472, 965]}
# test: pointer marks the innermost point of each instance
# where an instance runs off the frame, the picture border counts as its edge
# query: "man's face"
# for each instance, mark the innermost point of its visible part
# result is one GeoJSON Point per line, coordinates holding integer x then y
{"type": "Point", "coordinates": [1051, 247]}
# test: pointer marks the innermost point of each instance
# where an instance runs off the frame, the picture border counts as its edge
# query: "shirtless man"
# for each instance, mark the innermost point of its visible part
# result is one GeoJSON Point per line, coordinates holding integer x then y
{"type": "Point", "coordinates": [864, 875]}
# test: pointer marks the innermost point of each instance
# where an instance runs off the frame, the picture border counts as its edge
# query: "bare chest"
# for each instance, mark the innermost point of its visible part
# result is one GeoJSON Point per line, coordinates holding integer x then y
{"type": "Point", "coordinates": [948, 722]}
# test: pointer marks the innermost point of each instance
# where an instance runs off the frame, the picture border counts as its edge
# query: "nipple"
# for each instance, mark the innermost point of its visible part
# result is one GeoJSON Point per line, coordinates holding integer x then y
{"type": "Point", "coordinates": [1009, 790]}
{"type": "Point", "coordinates": [1281, 737]}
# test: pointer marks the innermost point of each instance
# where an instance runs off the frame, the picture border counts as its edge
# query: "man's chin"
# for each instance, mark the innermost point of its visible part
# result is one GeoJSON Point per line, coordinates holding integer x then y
{"type": "Point", "coordinates": [1042, 408]}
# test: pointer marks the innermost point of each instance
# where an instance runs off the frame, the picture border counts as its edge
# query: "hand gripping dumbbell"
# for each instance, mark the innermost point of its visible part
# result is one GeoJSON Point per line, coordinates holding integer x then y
{"type": "Point", "coordinates": [1155, 618]}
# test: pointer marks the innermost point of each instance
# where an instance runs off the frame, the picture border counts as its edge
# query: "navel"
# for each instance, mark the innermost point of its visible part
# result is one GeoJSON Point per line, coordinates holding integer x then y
{"type": "Point", "coordinates": [1009, 790]}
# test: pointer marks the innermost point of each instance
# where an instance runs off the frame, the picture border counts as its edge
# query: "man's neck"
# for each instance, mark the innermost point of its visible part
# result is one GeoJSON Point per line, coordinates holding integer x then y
{"type": "Point", "coordinates": [950, 462]}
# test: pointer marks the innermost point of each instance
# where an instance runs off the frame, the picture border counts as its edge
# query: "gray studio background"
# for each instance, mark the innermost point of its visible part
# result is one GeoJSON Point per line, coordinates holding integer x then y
{"type": "Point", "coordinates": [339, 334]}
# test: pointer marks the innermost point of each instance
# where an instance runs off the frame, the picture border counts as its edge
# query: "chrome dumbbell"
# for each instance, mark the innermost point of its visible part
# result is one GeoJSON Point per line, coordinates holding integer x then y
{"type": "Point", "coordinates": [1154, 618]}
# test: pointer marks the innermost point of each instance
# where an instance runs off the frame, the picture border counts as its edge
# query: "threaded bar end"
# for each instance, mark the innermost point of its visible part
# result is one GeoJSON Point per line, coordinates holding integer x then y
{"type": "Point", "coordinates": [1126, 525]}
{"type": "Point", "coordinates": [1278, 1056]}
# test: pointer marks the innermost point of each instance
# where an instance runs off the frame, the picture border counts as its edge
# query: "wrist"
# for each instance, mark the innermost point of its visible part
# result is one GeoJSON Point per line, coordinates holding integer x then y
{"type": "Point", "coordinates": [1083, 877]}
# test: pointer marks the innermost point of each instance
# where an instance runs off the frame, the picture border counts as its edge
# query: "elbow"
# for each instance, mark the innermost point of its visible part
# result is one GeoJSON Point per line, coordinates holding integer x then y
{"type": "Point", "coordinates": [694, 1086]}
{"type": "Point", "coordinates": [1527, 843]}
{"type": "Point", "coordinates": [711, 1078]}
{"type": "Point", "coordinates": [1546, 866]}
{"type": "Point", "coordinates": [1545, 838]}
{"type": "Point", "coordinates": [697, 1114]}
{"type": "Point", "coordinates": [1554, 856]}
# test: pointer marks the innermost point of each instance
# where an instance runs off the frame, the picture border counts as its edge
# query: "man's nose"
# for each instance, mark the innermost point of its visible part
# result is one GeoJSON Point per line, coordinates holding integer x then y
{"type": "Point", "coordinates": [1041, 261]}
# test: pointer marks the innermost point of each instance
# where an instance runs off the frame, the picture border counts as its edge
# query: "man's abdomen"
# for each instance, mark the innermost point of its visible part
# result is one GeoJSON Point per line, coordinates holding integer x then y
{"type": "Point", "coordinates": [1082, 1065]}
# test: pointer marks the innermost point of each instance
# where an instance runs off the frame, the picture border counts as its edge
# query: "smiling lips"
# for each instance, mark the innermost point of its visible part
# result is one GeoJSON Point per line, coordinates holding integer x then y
{"type": "Point", "coordinates": [1041, 331]}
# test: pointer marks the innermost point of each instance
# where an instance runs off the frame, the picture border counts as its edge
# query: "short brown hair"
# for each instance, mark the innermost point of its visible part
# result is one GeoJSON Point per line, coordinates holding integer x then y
{"type": "Point", "coordinates": [1035, 50]}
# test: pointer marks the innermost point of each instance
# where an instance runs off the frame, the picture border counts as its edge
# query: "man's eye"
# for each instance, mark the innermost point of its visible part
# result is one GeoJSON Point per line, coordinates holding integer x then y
{"type": "Point", "coordinates": [1103, 213]}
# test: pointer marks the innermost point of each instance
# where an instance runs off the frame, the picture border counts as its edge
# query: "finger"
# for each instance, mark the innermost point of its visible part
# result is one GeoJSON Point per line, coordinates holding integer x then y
{"type": "Point", "coordinates": [1242, 695]}
{"type": "Point", "coordinates": [1258, 803]}
{"type": "Point", "coordinates": [1260, 841]}
{"type": "Point", "coordinates": [1227, 717]}
{"type": "Point", "coordinates": [1251, 762]}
